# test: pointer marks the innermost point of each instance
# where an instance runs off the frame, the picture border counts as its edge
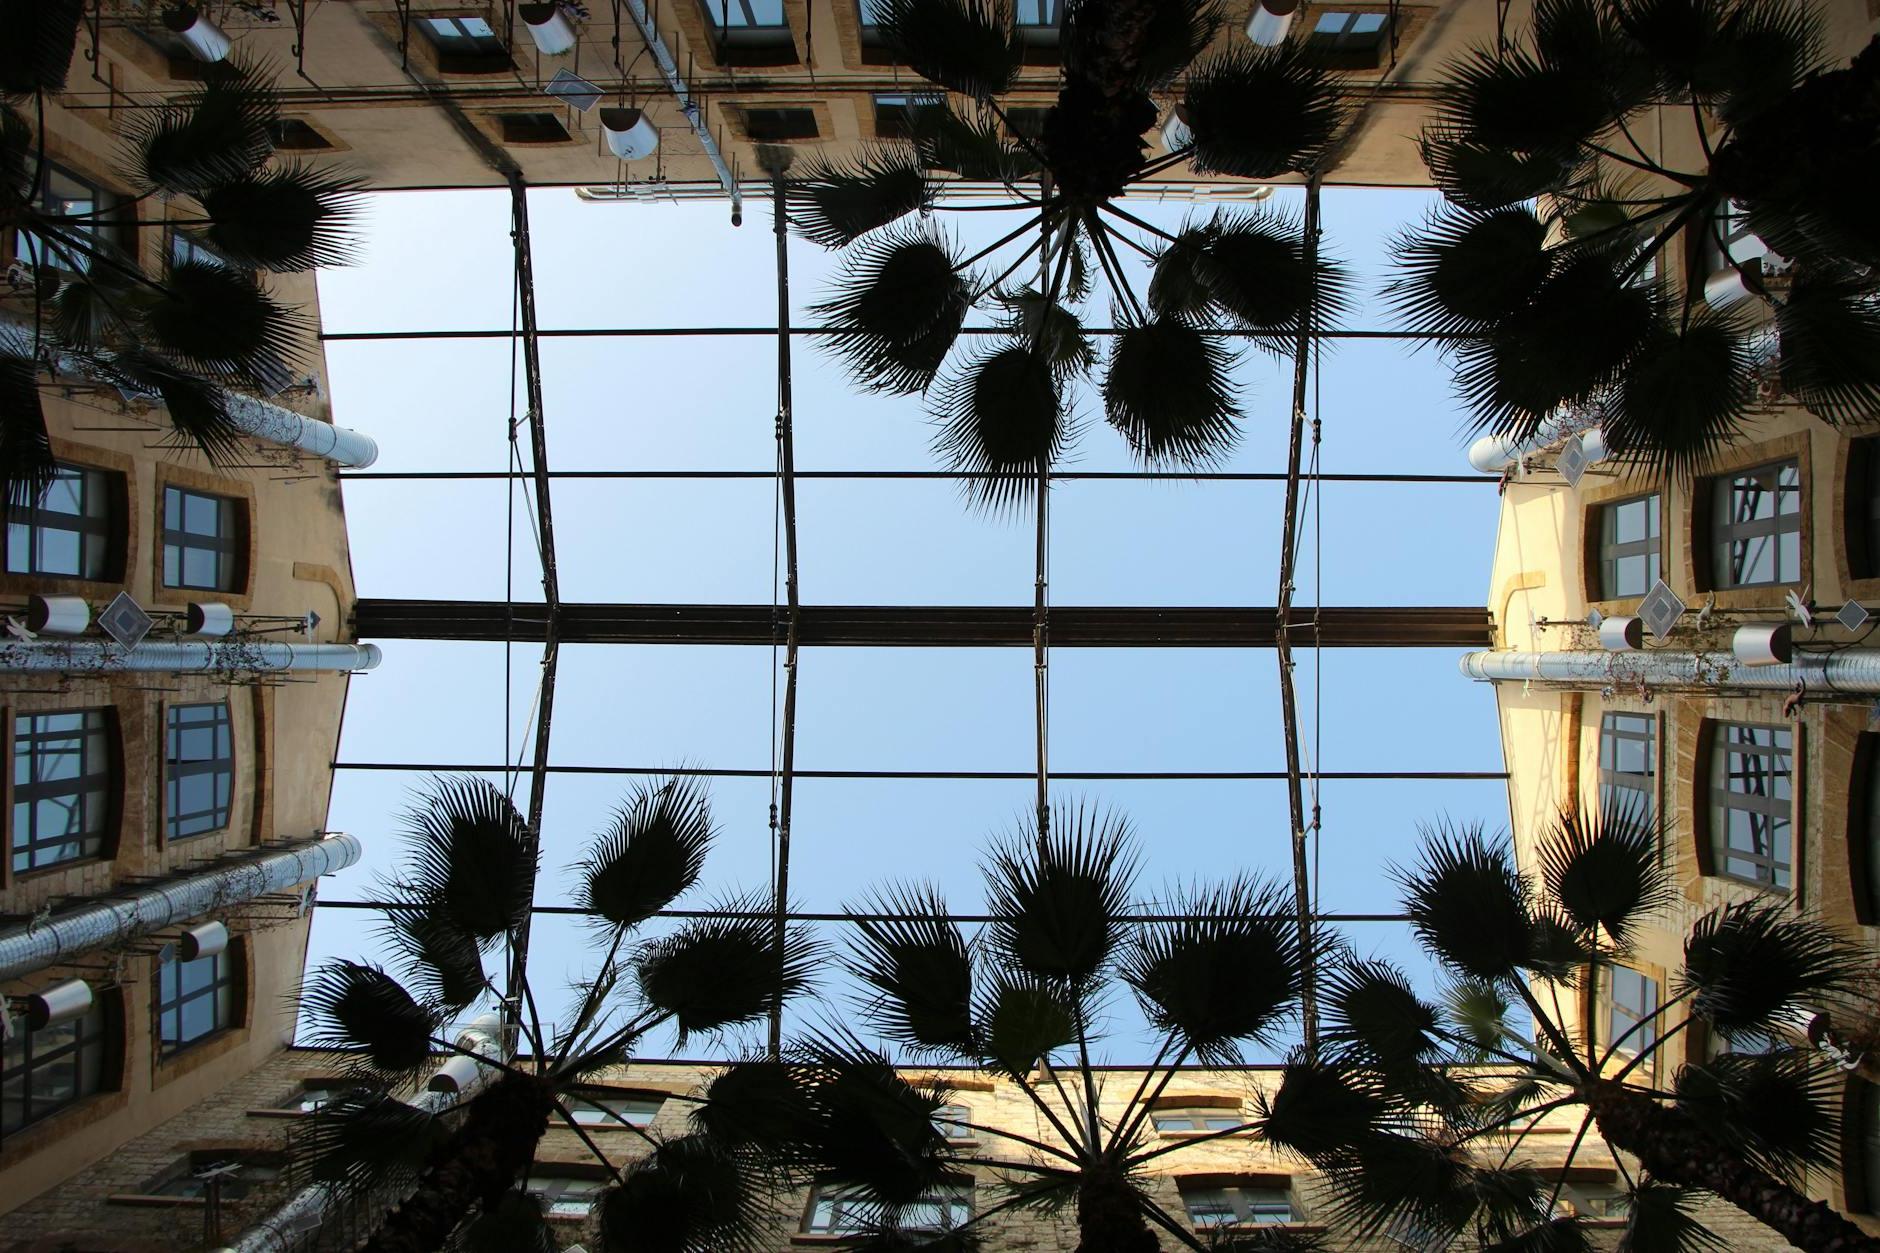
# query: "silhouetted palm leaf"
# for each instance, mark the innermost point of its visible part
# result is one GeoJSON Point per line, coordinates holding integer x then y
{"type": "Point", "coordinates": [1829, 330]}
{"type": "Point", "coordinates": [1585, 41]}
{"type": "Point", "coordinates": [760, 1104]}
{"type": "Point", "coordinates": [215, 320]}
{"type": "Point", "coordinates": [1605, 873]}
{"type": "Point", "coordinates": [1773, 46]}
{"type": "Point", "coordinates": [869, 1128]}
{"type": "Point", "coordinates": [920, 965]}
{"type": "Point", "coordinates": [1477, 175]}
{"type": "Point", "coordinates": [1019, 1020]}
{"type": "Point", "coordinates": [196, 408]}
{"type": "Point", "coordinates": [40, 38]}
{"type": "Point", "coordinates": [358, 1007]}
{"type": "Point", "coordinates": [1658, 1217]}
{"type": "Point", "coordinates": [1465, 272]}
{"type": "Point", "coordinates": [837, 202]}
{"type": "Point", "coordinates": [1779, 1110]}
{"type": "Point", "coordinates": [1373, 1015]}
{"type": "Point", "coordinates": [1168, 389]}
{"type": "Point", "coordinates": [26, 460]}
{"type": "Point", "coordinates": [360, 1140]}
{"type": "Point", "coordinates": [16, 151]}
{"type": "Point", "coordinates": [1467, 903]}
{"type": "Point", "coordinates": [974, 148]}
{"type": "Point", "coordinates": [1259, 113]}
{"type": "Point", "coordinates": [650, 854]}
{"type": "Point", "coordinates": [515, 1224]}
{"type": "Point", "coordinates": [724, 969]}
{"type": "Point", "coordinates": [1250, 269]}
{"type": "Point", "coordinates": [1230, 972]}
{"type": "Point", "coordinates": [1565, 1234]}
{"type": "Point", "coordinates": [1389, 1178]}
{"type": "Point", "coordinates": [897, 307]}
{"type": "Point", "coordinates": [1514, 102]}
{"type": "Point", "coordinates": [1175, 33]}
{"type": "Point", "coordinates": [686, 1196]}
{"type": "Point", "coordinates": [1060, 907]}
{"type": "Point", "coordinates": [91, 309]}
{"type": "Point", "coordinates": [213, 136]}
{"type": "Point", "coordinates": [286, 218]}
{"type": "Point", "coordinates": [1050, 326]}
{"type": "Point", "coordinates": [1476, 1010]}
{"type": "Point", "coordinates": [440, 961]}
{"type": "Point", "coordinates": [1001, 420]}
{"type": "Point", "coordinates": [1320, 1110]}
{"type": "Point", "coordinates": [472, 861]}
{"type": "Point", "coordinates": [1684, 395]}
{"type": "Point", "coordinates": [1753, 965]}
{"type": "Point", "coordinates": [962, 45]}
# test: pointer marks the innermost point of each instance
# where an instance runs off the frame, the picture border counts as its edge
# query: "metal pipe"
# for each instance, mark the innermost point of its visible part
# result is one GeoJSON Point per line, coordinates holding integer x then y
{"type": "Point", "coordinates": [141, 911]}
{"type": "Point", "coordinates": [669, 69]}
{"type": "Point", "coordinates": [215, 656]}
{"type": "Point", "coordinates": [1850, 670]}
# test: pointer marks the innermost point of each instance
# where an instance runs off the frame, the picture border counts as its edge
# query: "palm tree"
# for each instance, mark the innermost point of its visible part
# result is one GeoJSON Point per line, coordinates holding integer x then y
{"type": "Point", "coordinates": [907, 287]}
{"type": "Point", "coordinates": [1546, 273]}
{"type": "Point", "coordinates": [467, 887]}
{"type": "Point", "coordinates": [1022, 1001]}
{"type": "Point", "coordinates": [1418, 1112]}
{"type": "Point", "coordinates": [199, 327]}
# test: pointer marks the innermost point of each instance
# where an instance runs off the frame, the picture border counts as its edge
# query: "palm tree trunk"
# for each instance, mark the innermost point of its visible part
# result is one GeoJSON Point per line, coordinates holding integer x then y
{"type": "Point", "coordinates": [477, 1164]}
{"type": "Point", "coordinates": [1676, 1150]}
{"type": "Point", "coordinates": [1109, 1217]}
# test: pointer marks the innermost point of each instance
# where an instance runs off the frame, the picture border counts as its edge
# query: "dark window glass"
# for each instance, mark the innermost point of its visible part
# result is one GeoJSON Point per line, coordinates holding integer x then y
{"type": "Point", "coordinates": [1756, 526]}
{"type": "Point", "coordinates": [462, 36]}
{"type": "Point", "coordinates": [894, 111]}
{"type": "Point", "coordinates": [1630, 1002]}
{"type": "Point", "coordinates": [71, 532]}
{"type": "Point", "coordinates": [194, 999]}
{"type": "Point", "coordinates": [839, 1211]}
{"type": "Point", "coordinates": [1348, 32]}
{"type": "Point", "coordinates": [1751, 803]}
{"type": "Point", "coordinates": [1860, 1146]}
{"type": "Point", "coordinates": [46, 1070]}
{"type": "Point", "coordinates": [950, 1121]}
{"type": "Point", "coordinates": [728, 16]}
{"type": "Point", "coordinates": [198, 769]}
{"type": "Point", "coordinates": [1628, 765]}
{"type": "Point", "coordinates": [611, 1109]}
{"type": "Point", "coordinates": [62, 786]}
{"type": "Point", "coordinates": [1237, 1204]}
{"type": "Point", "coordinates": [1864, 828]}
{"type": "Point", "coordinates": [290, 134]}
{"type": "Point", "coordinates": [1039, 23]}
{"type": "Point", "coordinates": [776, 125]}
{"type": "Point", "coordinates": [566, 1196]}
{"type": "Point", "coordinates": [236, 1173]}
{"type": "Point", "coordinates": [201, 540]}
{"type": "Point", "coordinates": [531, 128]}
{"type": "Point", "coordinates": [1629, 547]}
{"type": "Point", "coordinates": [1863, 508]}
{"type": "Point", "coordinates": [64, 194]}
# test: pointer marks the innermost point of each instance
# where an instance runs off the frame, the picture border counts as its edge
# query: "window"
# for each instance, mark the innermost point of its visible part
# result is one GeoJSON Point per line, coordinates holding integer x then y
{"type": "Point", "coordinates": [1203, 1119]}
{"type": "Point", "coordinates": [1725, 237]}
{"type": "Point", "coordinates": [1348, 40]}
{"type": "Point", "coordinates": [1860, 1146]}
{"type": "Point", "coordinates": [612, 1109]}
{"type": "Point", "coordinates": [1628, 765]}
{"type": "Point", "coordinates": [194, 999]}
{"type": "Point", "coordinates": [566, 1196]}
{"type": "Point", "coordinates": [749, 32]}
{"type": "Point", "coordinates": [72, 531]}
{"type": "Point", "coordinates": [1863, 829]}
{"type": "Point", "coordinates": [237, 1173]}
{"type": "Point", "coordinates": [950, 1121]}
{"type": "Point", "coordinates": [531, 128]}
{"type": "Point", "coordinates": [198, 769]}
{"type": "Point", "coordinates": [728, 17]}
{"type": "Point", "coordinates": [843, 1211]}
{"type": "Point", "coordinates": [63, 786]}
{"type": "Point", "coordinates": [290, 134]}
{"type": "Point", "coordinates": [64, 194]}
{"type": "Point", "coordinates": [201, 540]}
{"type": "Point", "coordinates": [894, 112]}
{"type": "Point", "coordinates": [1237, 1204]}
{"type": "Point", "coordinates": [1630, 1002]}
{"type": "Point", "coordinates": [1863, 508]}
{"type": "Point", "coordinates": [1039, 23]}
{"type": "Point", "coordinates": [1629, 547]}
{"type": "Point", "coordinates": [1751, 796]}
{"type": "Point", "coordinates": [779, 125]}
{"type": "Point", "coordinates": [868, 15]}
{"type": "Point", "coordinates": [1756, 526]}
{"type": "Point", "coordinates": [46, 1070]}
{"type": "Point", "coordinates": [462, 36]}
{"type": "Point", "coordinates": [314, 1095]}
{"type": "Point", "coordinates": [1595, 1200]}
{"type": "Point", "coordinates": [1717, 1044]}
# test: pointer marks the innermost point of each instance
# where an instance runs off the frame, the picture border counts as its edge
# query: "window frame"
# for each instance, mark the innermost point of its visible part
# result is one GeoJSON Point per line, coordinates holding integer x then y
{"type": "Point", "coordinates": [1238, 1204]}
{"type": "Point", "coordinates": [1860, 523]}
{"type": "Point", "coordinates": [1607, 552]}
{"type": "Point", "coordinates": [108, 526]}
{"type": "Point", "coordinates": [1722, 534]}
{"type": "Point", "coordinates": [1340, 50]}
{"type": "Point", "coordinates": [952, 1198]}
{"type": "Point", "coordinates": [230, 544]}
{"type": "Point", "coordinates": [181, 1179]}
{"type": "Point", "coordinates": [101, 198]}
{"type": "Point", "coordinates": [110, 791]}
{"type": "Point", "coordinates": [1198, 1117]}
{"type": "Point", "coordinates": [464, 52]}
{"type": "Point", "coordinates": [223, 991]}
{"type": "Point", "coordinates": [1863, 829]}
{"type": "Point", "coordinates": [1716, 747]}
{"type": "Point", "coordinates": [594, 1100]}
{"type": "Point", "coordinates": [747, 43]}
{"type": "Point", "coordinates": [97, 1040]}
{"type": "Point", "coordinates": [745, 112]}
{"type": "Point", "coordinates": [551, 1186]}
{"type": "Point", "coordinates": [1614, 780]}
{"type": "Point", "coordinates": [896, 120]}
{"type": "Point", "coordinates": [530, 129]}
{"type": "Point", "coordinates": [1651, 1000]}
{"type": "Point", "coordinates": [1860, 1145]}
{"type": "Point", "coordinates": [222, 768]}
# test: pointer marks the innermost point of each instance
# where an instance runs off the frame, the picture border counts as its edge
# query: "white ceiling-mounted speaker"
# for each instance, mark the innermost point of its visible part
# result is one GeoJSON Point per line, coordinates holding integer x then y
{"type": "Point", "coordinates": [1271, 21]}
{"type": "Point", "coordinates": [61, 1002]}
{"type": "Point", "coordinates": [208, 617]}
{"type": "Point", "coordinates": [549, 27]}
{"type": "Point", "coordinates": [210, 939]}
{"type": "Point", "coordinates": [1763, 644]}
{"type": "Point", "coordinates": [204, 38]}
{"type": "Point", "coordinates": [454, 1075]}
{"type": "Point", "coordinates": [1621, 635]}
{"type": "Point", "coordinates": [57, 615]}
{"type": "Point", "coordinates": [630, 133]}
{"type": "Point", "coordinates": [1175, 132]}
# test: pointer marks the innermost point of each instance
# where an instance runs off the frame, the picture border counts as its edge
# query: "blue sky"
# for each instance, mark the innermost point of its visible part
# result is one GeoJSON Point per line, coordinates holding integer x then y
{"type": "Point", "coordinates": [440, 260]}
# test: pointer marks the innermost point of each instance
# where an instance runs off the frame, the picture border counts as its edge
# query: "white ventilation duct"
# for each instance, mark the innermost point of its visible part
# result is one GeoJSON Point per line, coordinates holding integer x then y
{"type": "Point", "coordinates": [94, 656]}
{"type": "Point", "coordinates": [204, 39]}
{"type": "Point", "coordinates": [209, 618]}
{"type": "Point", "coordinates": [549, 27]}
{"type": "Point", "coordinates": [57, 615]}
{"type": "Point", "coordinates": [630, 134]}
{"type": "Point", "coordinates": [1851, 670]}
{"type": "Point", "coordinates": [153, 907]}
{"type": "Point", "coordinates": [1271, 21]}
{"type": "Point", "coordinates": [61, 1002]}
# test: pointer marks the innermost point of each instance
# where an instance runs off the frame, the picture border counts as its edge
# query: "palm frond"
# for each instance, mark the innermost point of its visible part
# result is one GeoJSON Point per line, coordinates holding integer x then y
{"type": "Point", "coordinates": [1773, 47]}
{"type": "Point", "coordinates": [16, 151]}
{"type": "Point", "coordinates": [360, 1008]}
{"type": "Point", "coordinates": [1253, 266]}
{"type": "Point", "coordinates": [41, 37]}
{"type": "Point", "coordinates": [1829, 331]}
{"type": "Point", "coordinates": [1476, 1010]}
{"type": "Point", "coordinates": [975, 148]}
{"type": "Point", "coordinates": [1514, 102]}
{"type": "Point", "coordinates": [515, 1223]}
{"type": "Point", "coordinates": [217, 135]}
{"type": "Point", "coordinates": [471, 860]}
{"type": "Point", "coordinates": [1605, 872]}
{"type": "Point", "coordinates": [758, 1104]}
{"type": "Point", "coordinates": [896, 309]}
{"type": "Point", "coordinates": [1467, 903]}
{"type": "Point", "coordinates": [650, 854]}
{"type": "Point", "coordinates": [1373, 1015]}
{"type": "Point", "coordinates": [286, 218]}
{"type": "Point", "coordinates": [1175, 33]}
{"type": "Point", "coordinates": [1753, 966]}
{"type": "Point", "coordinates": [1390, 1178]}
{"type": "Point", "coordinates": [1476, 175]}
{"type": "Point", "coordinates": [1060, 906]}
{"type": "Point", "coordinates": [1230, 972]}
{"type": "Point", "coordinates": [196, 408]}
{"type": "Point", "coordinates": [1583, 40]}
{"type": "Point", "coordinates": [1259, 113]}
{"type": "Point", "coordinates": [869, 1128]}
{"type": "Point", "coordinates": [962, 45]}
{"type": "Point", "coordinates": [1266, 1240]}
{"type": "Point", "coordinates": [887, 1235]}
{"type": "Point", "coordinates": [1510, 1207]}
{"type": "Point", "coordinates": [687, 1196]}
{"type": "Point", "coordinates": [360, 1140]}
{"type": "Point", "coordinates": [214, 320]}
{"type": "Point", "coordinates": [1466, 272]}
{"type": "Point", "coordinates": [839, 201]}
{"type": "Point", "coordinates": [1658, 1217]}
{"type": "Point", "coordinates": [1049, 327]}
{"type": "Point", "coordinates": [1320, 1110]}
{"type": "Point", "coordinates": [90, 311]}
{"type": "Point", "coordinates": [1780, 1110]}
{"type": "Point", "coordinates": [1018, 1021]}
{"type": "Point", "coordinates": [919, 963]}
{"type": "Point", "coordinates": [26, 461]}
{"type": "Point", "coordinates": [726, 968]}
{"type": "Point", "coordinates": [1001, 420]}
{"type": "Point", "coordinates": [1685, 395]}
{"type": "Point", "coordinates": [1565, 1234]}
{"type": "Point", "coordinates": [1168, 388]}
{"type": "Point", "coordinates": [438, 960]}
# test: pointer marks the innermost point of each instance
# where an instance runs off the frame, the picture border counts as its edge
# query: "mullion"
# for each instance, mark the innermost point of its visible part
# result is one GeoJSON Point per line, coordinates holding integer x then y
{"type": "Point", "coordinates": [221, 543]}
{"type": "Point", "coordinates": [183, 723]}
{"type": "Point", "coordinates": [1751, 773]}
{"type": "Point", "coordinates": [38, 744]}
{"type": "Point", "coordinates": [88, 526]}
{"type": "Point", "coordinates": [87, 1039]}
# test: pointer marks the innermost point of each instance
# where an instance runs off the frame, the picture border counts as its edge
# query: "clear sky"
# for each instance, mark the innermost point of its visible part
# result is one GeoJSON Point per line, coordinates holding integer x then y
{"type": "Point", "coordinates": [441, 260]}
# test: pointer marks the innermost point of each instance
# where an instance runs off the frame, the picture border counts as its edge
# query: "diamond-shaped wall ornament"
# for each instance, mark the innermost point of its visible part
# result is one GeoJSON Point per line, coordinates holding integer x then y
{"type": "Point", "coordinates": [572, 89]}
{"type": "Point", "coordinates": [1572, 461]}
{"type": "Point", "coordinates": [125, 621]}
{"type": "Point", "coordinates": [1661, 609]}
{"type": "Point", "coordinates": [1594, 618]}
{"type": "Point", "coordinates": [1853, 615]}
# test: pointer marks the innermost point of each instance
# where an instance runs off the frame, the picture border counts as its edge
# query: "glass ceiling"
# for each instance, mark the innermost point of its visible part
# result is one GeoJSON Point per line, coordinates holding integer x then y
{"type": "Point", "coordinates": [439, 261]}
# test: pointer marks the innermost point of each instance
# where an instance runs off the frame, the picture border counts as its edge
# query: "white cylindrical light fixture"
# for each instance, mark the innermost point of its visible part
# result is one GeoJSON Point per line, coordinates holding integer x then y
{"type": "Point", "coordinates": [61, 1002]}
{"type": "Point", "coordinates": [1175, 132]}
{"type": "Point", "coordinates": [209, 618]}
{"type": "Point", "coordinates": [1271, 21]}
{"type": "Point", "coordinates": [204, 38]}
{"type": "Point", "coordinates": [630, 133]}
{"type": "Point", "coordinates": [1593, 445]}
{"type": "Point", "coordinates": [1621, 635]}
{"type": "Point", "coordinates": [1763, 644]}
{"type": "Point", "coordinates": [454, 1075]}
{"type": "Point", "coordinates": [205, 940]}
{"type": "Point", "coordinates": [549, 27]}
{"type": "Point", "coordinates": [57, 615]}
